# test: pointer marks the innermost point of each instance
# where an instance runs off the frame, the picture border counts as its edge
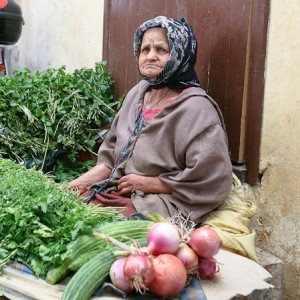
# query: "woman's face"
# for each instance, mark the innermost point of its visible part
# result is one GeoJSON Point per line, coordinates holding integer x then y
{"type": "Point", "coordinates": [154, 52]}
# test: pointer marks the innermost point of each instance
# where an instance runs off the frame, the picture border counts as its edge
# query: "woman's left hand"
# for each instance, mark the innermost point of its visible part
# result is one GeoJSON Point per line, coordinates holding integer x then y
{"type": "Point", "coordinates": [146, 184]}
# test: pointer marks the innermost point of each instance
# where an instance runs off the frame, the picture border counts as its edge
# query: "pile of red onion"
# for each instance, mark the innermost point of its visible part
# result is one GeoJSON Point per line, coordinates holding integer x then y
{"type": "Point", "coordinates": [163, 267]}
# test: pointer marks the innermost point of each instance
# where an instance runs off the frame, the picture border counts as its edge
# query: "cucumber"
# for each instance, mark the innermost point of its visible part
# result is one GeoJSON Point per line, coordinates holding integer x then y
{"type": "Point", "coordinates": [81, 245]}
{"type": "Point", "coordinates": [128, 228]}
{"type": "Point", "coordinates": [91, 275]}
{"type": "Point", "coordinates": [77, 253]}
{"type": "Point", "coordinates": [78, 262]}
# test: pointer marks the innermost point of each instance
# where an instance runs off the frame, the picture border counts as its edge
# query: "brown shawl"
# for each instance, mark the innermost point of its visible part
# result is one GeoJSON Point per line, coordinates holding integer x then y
{"type": "Point", "coordinates": [185, 145]}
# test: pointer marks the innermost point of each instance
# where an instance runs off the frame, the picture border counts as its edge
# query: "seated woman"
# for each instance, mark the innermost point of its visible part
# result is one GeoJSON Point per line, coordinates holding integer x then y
{"type": "Point", "coordinates": [166, 151]}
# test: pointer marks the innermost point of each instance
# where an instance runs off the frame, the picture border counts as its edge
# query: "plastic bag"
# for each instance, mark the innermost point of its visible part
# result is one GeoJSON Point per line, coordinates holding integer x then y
{"type": "Point", "coordinates": [232, 221]}
{"type": "Point", "coordinates": [47, 164]}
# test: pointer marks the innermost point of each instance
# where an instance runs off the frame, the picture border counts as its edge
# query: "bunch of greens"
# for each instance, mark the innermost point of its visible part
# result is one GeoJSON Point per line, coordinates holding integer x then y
{"type": "Point", "coordinates": [65, 172]}
{"type": "Point", "coordinates": [39, 218]}
{"type": "Point", "coordinates": [53, 111]}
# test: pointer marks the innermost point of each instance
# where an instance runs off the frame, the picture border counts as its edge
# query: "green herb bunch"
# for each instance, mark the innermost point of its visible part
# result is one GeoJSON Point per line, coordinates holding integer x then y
{"type": "Point", "coordinates": [38, 218]}
{"type": "Point", "coordinates": [50, 110]}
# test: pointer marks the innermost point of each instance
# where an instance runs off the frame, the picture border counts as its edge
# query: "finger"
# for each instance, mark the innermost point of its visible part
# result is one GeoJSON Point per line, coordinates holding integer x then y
{"type": "Point", "coordinates": [121, 186]}
{"type": "Point", "coordinates": [125, 185]}
{"type": "Point", "coordinates": [81, 192]}
{"type": "Point", "coordinates": [122, 179]}
{"type": "Point", "coordinates": [125, 192]}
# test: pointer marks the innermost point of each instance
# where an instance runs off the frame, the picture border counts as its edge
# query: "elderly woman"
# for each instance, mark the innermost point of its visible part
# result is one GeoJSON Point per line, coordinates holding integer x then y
{"type": "Point", "coordinates": [166, 151]}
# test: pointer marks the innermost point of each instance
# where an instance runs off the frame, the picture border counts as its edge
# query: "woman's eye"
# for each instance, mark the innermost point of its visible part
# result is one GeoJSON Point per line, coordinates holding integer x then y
{"type": "Point", "coordinates": [162, 50]}
{"type": "Point", "coordinates": [145, 50]}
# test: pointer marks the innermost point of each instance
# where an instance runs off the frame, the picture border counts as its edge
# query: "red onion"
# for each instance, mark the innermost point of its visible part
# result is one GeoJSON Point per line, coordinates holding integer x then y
{"type": "Point", "coordinates": [118, 278]}
{"type": "Point", "coordinates": [205, 242]}
{"type": "Point", "coordinates": [163, 238]}
{"type": "Point", "coordinates": [139, 269]}
{"type": "Point", "coordinates": [187, 256]}
{"type": "Point", "coordinates": [207, 268]}
{"type": "Point", "coordinates": [169, 276]}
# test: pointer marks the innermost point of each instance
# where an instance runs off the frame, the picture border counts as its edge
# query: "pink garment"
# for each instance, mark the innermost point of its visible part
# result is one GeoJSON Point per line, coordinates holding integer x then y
{"type": "Point", "coordinates": [148, 114]}
{"type": "Point", "coordinates": [113, 199]}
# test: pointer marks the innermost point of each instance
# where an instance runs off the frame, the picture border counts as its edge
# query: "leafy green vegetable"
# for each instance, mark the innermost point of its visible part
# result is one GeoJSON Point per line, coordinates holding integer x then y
{"type": "Point", "coordinates": [65, 172]}
{"type": "Point", "coordinates": [53, 110]}
{"type": "Point", "coordinates": [38, 218]}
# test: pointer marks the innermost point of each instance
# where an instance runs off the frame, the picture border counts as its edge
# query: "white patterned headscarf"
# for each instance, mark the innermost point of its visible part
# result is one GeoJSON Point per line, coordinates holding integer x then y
{"type": "Point", "coordinates": [179, 70]}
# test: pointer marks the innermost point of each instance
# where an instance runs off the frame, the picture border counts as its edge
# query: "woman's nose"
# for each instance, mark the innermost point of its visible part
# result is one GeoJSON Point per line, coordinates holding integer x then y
{"type": "Point", "coordinates": [151, 54]}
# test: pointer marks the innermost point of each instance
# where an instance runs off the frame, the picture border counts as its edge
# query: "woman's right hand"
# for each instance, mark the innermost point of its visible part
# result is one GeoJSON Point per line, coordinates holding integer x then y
{"type": "Point", "coordinates": [84, 182]}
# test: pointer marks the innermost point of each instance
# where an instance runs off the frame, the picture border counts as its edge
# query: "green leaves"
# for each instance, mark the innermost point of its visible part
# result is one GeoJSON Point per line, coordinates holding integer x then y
{"type": "Point", "coordinates": [53, 110]}
{"type": "Point", "coordinates": [38, 218]}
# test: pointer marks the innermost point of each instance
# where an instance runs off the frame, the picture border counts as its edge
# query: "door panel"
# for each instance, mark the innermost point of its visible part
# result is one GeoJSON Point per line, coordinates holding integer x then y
{"type": "Point", "coordinates": [226, 36]}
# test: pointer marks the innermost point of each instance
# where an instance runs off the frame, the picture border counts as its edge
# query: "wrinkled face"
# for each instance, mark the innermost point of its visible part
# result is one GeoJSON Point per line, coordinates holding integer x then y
{"type": "Point", "coordinates": [154, 52]}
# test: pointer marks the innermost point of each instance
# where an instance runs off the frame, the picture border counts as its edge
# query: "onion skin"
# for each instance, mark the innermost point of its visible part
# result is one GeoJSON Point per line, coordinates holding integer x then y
{"type": "Point", "coordinates": [118, 278]}
{"type": "Point", "coordinates": [138, 268]}
{"type": "Point", "coordinates": [170, 276]}
{"type": "Point", "coordinates": [144, 250]}
{"type": "Point", "coordinates": [207, 268]}
{"type": "Point", "coordinates": [187, 256]}
{"type": "Point", "coordinates": [205, 242]}
{"type": "Point", "coordinates": [163, 238]}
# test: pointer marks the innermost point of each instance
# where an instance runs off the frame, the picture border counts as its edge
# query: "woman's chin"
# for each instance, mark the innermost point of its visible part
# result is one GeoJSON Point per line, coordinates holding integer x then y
{"type": "Point", "coordinates": [150, 73]}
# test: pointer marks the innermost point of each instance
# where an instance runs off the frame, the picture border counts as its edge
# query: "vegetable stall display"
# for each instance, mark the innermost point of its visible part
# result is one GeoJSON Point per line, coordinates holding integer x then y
{"type": "Point", "coordinates": [39, 219]}
{"type": "Point", "coordinates": [53, 113]}
{"type": "Point", "coordinates": [162, 267]}
{"type": "Point", "coordinates": [50, 229]}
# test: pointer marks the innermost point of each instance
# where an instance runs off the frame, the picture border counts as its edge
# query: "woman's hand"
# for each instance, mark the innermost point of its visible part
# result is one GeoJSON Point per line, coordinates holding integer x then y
{"type": "Point", "coordinates": [88, 179]}
{"type": "Point", "coordinates": [145, 184]}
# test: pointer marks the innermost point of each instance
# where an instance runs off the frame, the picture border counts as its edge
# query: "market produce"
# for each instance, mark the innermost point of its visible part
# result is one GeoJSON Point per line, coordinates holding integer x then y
{"type": "Point", "coordinates": [93, 274]}
{"type": "Point", "coordinates": [205, 242]}
{"type": "Point", "coordinates": [49, 228]}
{"type": "Point", "coordinates": [163, 237]}
{"type": "Point", "coordinates": [135, 268]}
{"type": "Point", "coordinates": [207, 268]}
{"type": "Point", "coordinates": [168, 273]}
{"type": "Point", "coordinates": [84, 248]}
{"type": "Point", "coordinates": [76, 249]}
{"type": "Point", "coordinates": [80, 260]}
{"type": "Point", "coordinates": [118, 278]}
{"type": "Point", "coordinates": [187, 256]}
{"type": "Point", "coordinates": [121, 230]}
{"type": "Point", "coordinates": [138, 268]}
{"type": "Point", "coordinates": [170, 276]}
{"type": "Point", "coordinates": [38, 218]}
{"type": "Point", "coordinates": [52, 112]}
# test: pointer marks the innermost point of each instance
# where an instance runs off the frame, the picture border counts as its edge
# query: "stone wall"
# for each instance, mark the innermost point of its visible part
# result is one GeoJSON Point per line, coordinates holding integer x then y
{"type": "Point", "coordinates": [278, 218]}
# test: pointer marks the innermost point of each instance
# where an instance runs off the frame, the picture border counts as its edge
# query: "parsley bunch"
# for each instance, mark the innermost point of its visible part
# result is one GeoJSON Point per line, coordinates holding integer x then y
{"type": "Point", "coordinates": [39, 218]}
{"type": "Point", "coordinates": [53, 110]}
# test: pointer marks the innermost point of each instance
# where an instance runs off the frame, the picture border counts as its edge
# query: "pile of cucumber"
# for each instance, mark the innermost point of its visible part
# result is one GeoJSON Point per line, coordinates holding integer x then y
{"type": "Point", "coordinates": [91, 258]}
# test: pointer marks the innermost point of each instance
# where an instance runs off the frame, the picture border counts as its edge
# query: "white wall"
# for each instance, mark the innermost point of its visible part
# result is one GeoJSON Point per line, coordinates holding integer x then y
{"type": "Point", "coordinates": [59, 32]}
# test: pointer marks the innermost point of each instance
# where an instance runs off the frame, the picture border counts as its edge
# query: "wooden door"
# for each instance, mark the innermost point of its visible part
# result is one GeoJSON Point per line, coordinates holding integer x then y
{"type": "Point", "coordinates": [231, 38]}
